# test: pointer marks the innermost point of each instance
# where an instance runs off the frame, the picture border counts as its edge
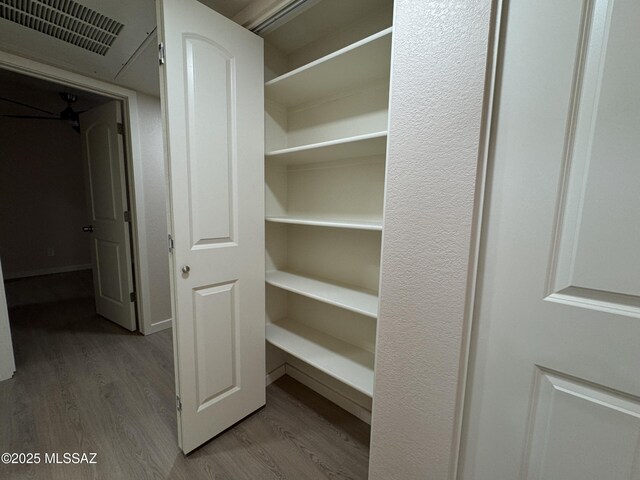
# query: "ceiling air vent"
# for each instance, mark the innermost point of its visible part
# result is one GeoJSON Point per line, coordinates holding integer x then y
{"type": "Point", "coordinates": [66, 20]}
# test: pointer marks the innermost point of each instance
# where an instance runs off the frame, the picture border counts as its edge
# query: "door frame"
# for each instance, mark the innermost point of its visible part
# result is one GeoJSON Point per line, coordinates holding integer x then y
{"type": "Point", "coordinates": [485, 150]}
{"type": "Point", "coordinates": [133, 153]}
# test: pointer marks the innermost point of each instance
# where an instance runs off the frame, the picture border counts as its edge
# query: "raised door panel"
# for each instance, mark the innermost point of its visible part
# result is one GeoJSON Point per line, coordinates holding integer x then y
{"type": "Point", "coordinates": [599, 226]}
{"type": "Point", "coordinates": [216, 334]}
{"type": "Point", "coordinates": [210, 78]}
{"type": "Point", "coordinates": [108, 260]}
{"type": "Point", "coordinates": [581, 431]}
{"type": "Point", "coordinates": [102, 186]}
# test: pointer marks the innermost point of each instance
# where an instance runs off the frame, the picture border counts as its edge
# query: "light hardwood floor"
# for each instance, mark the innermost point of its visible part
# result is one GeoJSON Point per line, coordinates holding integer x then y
{"type": "Point", "coordinates": [84, 384]}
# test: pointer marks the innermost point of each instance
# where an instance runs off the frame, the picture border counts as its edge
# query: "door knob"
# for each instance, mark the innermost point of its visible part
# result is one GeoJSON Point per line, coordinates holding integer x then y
{"type": "Point", "coordinates": [186, 269]}
{"type": "Point", "coordinates": [87, 228]}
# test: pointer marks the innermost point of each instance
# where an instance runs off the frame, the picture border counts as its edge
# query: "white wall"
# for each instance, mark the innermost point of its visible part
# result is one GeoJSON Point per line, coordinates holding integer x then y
{"type": "Point", "coordinates": [42, 202]}
{"type": "Point", "coordinates": [438, 73]}
{"type": "Point", "coordinates": [155, 215]}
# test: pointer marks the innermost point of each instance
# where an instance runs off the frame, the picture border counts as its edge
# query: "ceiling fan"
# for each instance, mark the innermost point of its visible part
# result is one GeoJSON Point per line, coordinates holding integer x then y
{"type": "Point", "coordinates": [68, 114]}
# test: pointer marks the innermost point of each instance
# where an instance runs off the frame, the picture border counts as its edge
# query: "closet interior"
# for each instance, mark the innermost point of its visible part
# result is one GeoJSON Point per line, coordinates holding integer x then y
{"type": "Point", "coordinates": [326, 111]}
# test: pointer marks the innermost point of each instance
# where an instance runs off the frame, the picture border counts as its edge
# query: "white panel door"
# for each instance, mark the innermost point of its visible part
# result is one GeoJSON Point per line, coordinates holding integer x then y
{"type": "Point", "coordinates": [213, 108]}
{"type": "Point", "coordinates": [554, 389]}
{"type": "Point", "coordinates": [105, 179]}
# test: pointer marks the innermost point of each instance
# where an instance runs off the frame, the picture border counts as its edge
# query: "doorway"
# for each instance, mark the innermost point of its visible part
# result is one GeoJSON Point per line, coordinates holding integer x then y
{"type": "Point", "coordinates": [73, 364]}
{"type": "Point", "coordinates": [65, 196]}
{"type": "Point", "coordinates": [147, 184]}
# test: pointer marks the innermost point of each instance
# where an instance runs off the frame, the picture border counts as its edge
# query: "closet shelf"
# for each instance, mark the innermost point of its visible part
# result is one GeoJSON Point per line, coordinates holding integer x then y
{"type": "Point", "coordinates": [364, 302]}
{"type": "Point", "coordinates": [349, 364]}
{"type": "Point", "coordinates": [351, 147]}
{"type": "Point", "coordinates": [352, 66]}
{"type": "Point", "coordinates": [318, 222]}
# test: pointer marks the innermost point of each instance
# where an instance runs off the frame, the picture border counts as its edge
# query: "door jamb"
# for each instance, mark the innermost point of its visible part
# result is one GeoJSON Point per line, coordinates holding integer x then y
{"type": "Point", "coordinates": [477, 240]}
{"type": "Point", "coordinates": [135, 184]}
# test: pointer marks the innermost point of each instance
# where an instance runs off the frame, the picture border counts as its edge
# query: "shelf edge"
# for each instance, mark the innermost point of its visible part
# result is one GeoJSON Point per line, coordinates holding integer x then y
{"type": "Point", "coordinates": [297, 291]}
{"type": "Point", "coordinates": [319, 366]}
{"type": "Point", "coordinates": [328, 143]}
{"type": "Point", "coordinates": [326, 58]}
{"type": "Point", "coordinates": [325, 223]}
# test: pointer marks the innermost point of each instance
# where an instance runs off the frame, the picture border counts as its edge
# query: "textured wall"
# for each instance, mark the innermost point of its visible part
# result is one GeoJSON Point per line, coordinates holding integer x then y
{"type": "Point", "coordinates": [438, 73]}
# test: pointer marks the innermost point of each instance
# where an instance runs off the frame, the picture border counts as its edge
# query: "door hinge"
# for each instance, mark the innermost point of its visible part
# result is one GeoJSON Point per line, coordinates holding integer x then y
{"type": "Point", "coordinates": [127, 216]}
{"type": "Point", "coordinates": [121, 129]}
{"type": "Point", "coordinates": [178, 403]}
{"type": "Point", "coordinates": [133, 297]}
{"type": "Point", "coordinates": [170, 243]}
{"type": "Point", "coordinates": [161, 54]}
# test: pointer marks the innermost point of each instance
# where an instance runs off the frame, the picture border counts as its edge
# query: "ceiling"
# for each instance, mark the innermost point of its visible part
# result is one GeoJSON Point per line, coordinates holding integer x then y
{"type": "Point", "coordinates": [130, 60]}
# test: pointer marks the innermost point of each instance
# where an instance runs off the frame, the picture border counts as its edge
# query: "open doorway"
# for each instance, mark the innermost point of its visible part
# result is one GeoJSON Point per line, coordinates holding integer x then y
{"type": "Point", "coordinates": [56, 179]}
{"type": "Point", "coordinates": [43, 155]}
{"type": "Point", "coordinates": [69, 199]}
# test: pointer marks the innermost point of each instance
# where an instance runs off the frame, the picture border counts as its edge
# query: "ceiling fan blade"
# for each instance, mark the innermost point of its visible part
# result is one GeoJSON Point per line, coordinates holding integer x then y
{"type": "Point", "coordinates": [32, 117]}
{"type": "Point", "coordinates": [26, 105]}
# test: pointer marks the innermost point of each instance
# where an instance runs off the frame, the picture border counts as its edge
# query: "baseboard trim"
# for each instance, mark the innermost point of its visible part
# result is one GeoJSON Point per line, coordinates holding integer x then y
{"type": "Point", "coordinates": [275, 374]}
{"type": "Point", "coordinates": [329, 393]}
{"type": "Point", "coordinates": [47, 271]}
{"type": "Point", "coordinates": [157, 327]}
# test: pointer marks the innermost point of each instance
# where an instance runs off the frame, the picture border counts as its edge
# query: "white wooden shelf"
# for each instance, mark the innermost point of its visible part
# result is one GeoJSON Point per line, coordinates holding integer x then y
{"type": "Point", "coordinates": [320, 222]}
{"type": "Point", "coordinates": [352, 66]}
{"type": "Point", "coordinates": [364, 302]}
{"type": "Point", "coordinates": [349, 364]}
{"type": "Point", "coordinates": [351, 147]}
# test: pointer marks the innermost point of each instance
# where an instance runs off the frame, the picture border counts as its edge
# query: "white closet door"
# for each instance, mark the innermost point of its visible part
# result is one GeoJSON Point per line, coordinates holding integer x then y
{"type": "Point", "coordinates": [213, 108]}
{"type": "Point", "coordinates": [555, 390]}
